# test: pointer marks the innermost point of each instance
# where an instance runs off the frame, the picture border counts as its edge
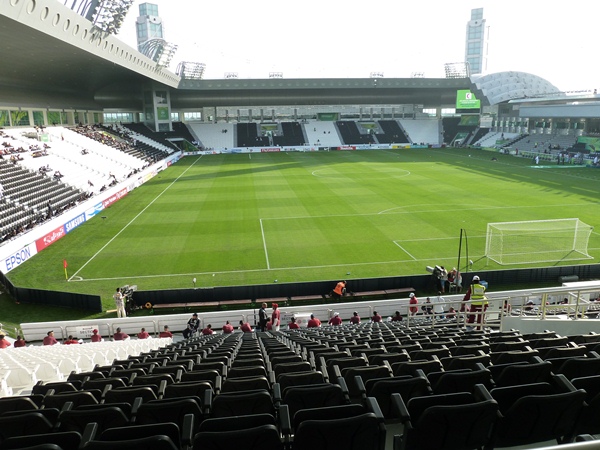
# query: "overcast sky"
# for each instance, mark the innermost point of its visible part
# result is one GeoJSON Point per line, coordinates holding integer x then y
{"type": "Point", "coordinates": [334, 38]}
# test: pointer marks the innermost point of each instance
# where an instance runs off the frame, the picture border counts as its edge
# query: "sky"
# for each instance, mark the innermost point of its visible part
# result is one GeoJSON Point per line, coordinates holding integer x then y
{"type": "Point", "coordinates": [342, 39]}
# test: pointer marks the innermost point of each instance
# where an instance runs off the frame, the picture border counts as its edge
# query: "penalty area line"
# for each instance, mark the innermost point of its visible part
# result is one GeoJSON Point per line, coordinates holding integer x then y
{"type": "Point", "coordinates": [404, 250]}
{"type": "Point", "coordinates": [72, 278]}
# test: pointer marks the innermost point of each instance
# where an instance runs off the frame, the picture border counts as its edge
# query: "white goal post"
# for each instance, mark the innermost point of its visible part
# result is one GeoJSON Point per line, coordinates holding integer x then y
{"type": "Point", "coordinates": [536, 241]}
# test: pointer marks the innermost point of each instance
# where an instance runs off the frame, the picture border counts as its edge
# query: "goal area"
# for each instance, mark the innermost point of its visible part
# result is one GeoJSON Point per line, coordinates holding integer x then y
{"type": "Point", "coordinates": [536, 241]}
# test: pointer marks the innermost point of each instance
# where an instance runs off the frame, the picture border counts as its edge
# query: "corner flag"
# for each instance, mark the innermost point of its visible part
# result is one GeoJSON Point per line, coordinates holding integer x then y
{"type": "Point", "coordinates": [65, 266]}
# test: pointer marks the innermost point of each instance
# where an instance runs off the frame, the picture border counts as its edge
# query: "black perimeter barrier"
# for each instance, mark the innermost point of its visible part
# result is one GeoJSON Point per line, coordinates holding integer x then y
{"type": "Point", "coordinates": [422, 283]}
{"type": "Point", "coordinates": [418, 282]}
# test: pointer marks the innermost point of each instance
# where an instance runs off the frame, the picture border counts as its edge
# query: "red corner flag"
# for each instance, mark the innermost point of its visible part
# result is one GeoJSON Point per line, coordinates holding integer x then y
{"type": "Point", "coordinates": [65, 266]}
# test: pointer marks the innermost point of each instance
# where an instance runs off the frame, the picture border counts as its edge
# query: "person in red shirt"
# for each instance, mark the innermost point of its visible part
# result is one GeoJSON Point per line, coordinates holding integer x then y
{"type": "Point", "coordinates": [245, 327]}
{"type": "Point", "coordinates": [413, 304]}
{"type": "Point", "coordinates": [269, 325]}
{"type": "Point", "coordinates": [335, 320]}
{"type": "Point", "coordinates": [20, 342]}
{"type": "Point", "coordinates": [71, 340]}
{"type": "Point", "coordinates": [3, 342]}
{"type": "Point", "coordinates": [355, 319]}
{"type": "Point", "coordinates": [276, 317]}
{"type": "Point", "coordinates": [165, 333]}
{"type": "Point", "coordinates": [50, 339]}
{"type": "Point", "coordinates": [313, 322]}
{"type": "Point", "coordinates": [293, 325]}
{"type": "Point", "coordinates": [208, 330]}
{"type": "Point", "coordinates": [120, 335]}
{"type": "Point", "coordinates": [396, 317]}
{"type": "Point", "coordinates": [376, 317]}
{"type": "Point", "coordinates": [227, 328]}
{"type": "Point", "coordinates": [143, 334]}
{"type": "Point", "coordinates": [95, 336]}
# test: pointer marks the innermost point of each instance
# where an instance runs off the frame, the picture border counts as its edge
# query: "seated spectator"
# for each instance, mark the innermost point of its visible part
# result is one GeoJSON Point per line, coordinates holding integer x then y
{"type": "Point", "coordinates": [50, 339]}
{"type": "Point", "coordinates": [20, 342]}
{"type": "Point", "coordinates": [120, 335]}
{"type": "Point", "coordinates": [293, 325]}
{"type": "Point", "coordinates": [355, 319]}
{"type": "Point", "coordinates": [3, 342]}
{"type": "Point", "coordinates": [313, 322]}
{"type": "Point", "coordinates": [427, 308]}
{"type": "Point", "coordinates": [165, 333]}
{"type": "Point", "coordinates": [376, 317]}
{"type": "Point", "coordinates": [396, 317]}
{"type": "Point", "coordinates": [71, 340]}
{"type": "Point", "coordinates": [143, 334]}
{"type": "Point", "coordinates": [245, 327]}
{"type": "Point", "coordinates": [335, 320]}
{"type": "Point", "coordinates": [227, 328]}
{"type": "Point", "coordinates": [451, 314]}
{"type": "Point", "coordinates": [95, 336]}
{"type": "Point", "coordinates": [208, 330]}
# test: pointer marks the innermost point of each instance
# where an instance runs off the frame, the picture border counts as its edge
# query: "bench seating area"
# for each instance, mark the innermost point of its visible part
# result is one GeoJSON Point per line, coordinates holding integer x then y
{"type": "Point", "coordinates": [195, 305]}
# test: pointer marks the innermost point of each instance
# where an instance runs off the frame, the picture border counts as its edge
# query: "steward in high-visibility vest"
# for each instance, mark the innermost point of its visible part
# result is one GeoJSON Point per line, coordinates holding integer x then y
{"type": "Point", "coordinates": [478, 305]}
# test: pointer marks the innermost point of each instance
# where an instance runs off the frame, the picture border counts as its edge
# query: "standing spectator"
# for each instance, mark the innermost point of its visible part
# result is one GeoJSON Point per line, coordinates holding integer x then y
{"type": "Point", "coordinates": [263, 317]}
{"type": "Point", "coordinates": [396, 317]}
{"type": "Point", "coordinates": [293, 325]}
{"type": "Point", "coordinates": [443, 279]}
{"type": "Point", "coordinates": [165, 333]}
{"type": "Point", "coordinates": [339, 290]}
{"type": "Point", "coordinates": [20, 342]}
{"type": "Point", "coordinates": [355, 319]}
{"type": "Point", "coordinates": [376, 317]}
{"type": "Point", "coordinates": [438, 308]}
{"type": "Point", "coordinates": [413, 301]}
{"type": "Point", "coordinates": [227, 328]}
{"type": "Point", "coordinates": [208, 330]}
{"type": "Point", "coordinates": [143, 334]}
{"type": "Point", "coordinates": [120, 335]}
{"type": "Point", "coordinates": [335, 320]}
{"type": "Point", "coordinates": [427, 308]}
{"type": "Point", "coordinates": [276, 317]}
{"type": "Point", "coordinates": [3, 342]}
{"type": "Point", "coordinates": [120, 303]}
{"type": "Point", "coordinates": [476, 295]}
{"type": "Point", "coordinates": [71, 340]}
{"type": "Point", "coordinates": [245, 327]}
{"type": "Point", "coordinates": [193, 325]}
{"type": "Point", "coordinates": [313, 322]}
{"type": "Point", "coordinates": [95, 336]}
{"type": "Point", "coordinates": [50, 339]}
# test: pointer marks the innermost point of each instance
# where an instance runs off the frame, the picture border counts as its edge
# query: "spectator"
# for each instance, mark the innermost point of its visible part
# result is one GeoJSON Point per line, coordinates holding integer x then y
{"type": "Point", "coordinates": [50, 339]}
{"type": "Point", "coordinates": [245, 327]}
{"type": "Point", "coordinates": [227, 328]}
{"type": "Point", "coordinates": [263, 317]}
{"type": "Point", "coordinates": [192, 326]}
{"type": "Point", "coordinates": [355, 319]}
{"type": "Point", "coordinates": [3, 342]}
{"type": "Point", "coordinates": [276, 317]}
{"type": "Point", "coordinates": [120, 303]}
{"type": "Point", "coordinates": [339, 290]}
{"type": "Point", "coordinates": [120, 335]}
{"type": "Point", "coordinates": [143, 334]}
{"type": "Point", "coordinates": [20, 342]}
{"type": "Point", "coordinates": [293, 325]}
{"type": "Point", "coordinates": [376, 317]}
{"type": "Point", "coordinates": [335, 320]}
{"type": "Point", "coordinates": [165, 333]}
{"type": "Point", "coordinates": [71, 340]}
{"type": "Point", "coordinates": [269, 325]}
{"type": "Point", "coordinates": [208, 330]}
{"type": "Point", "coordinates": [313, 322]}
{"type": "Point", "coordinates": [427, 308]}
{"type": "Point", "coordinates": [396, 317]}
{"type": "Point", "coordinates": [413, 301]}
{"type": "Point", "coordinates": [438, 308]}
{"type": "Point", "coordinates": [95, 336]}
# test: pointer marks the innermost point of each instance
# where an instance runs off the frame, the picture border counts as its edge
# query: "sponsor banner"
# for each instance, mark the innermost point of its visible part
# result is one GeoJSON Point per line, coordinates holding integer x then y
{"type": "Point", "coordinates": [397, 146]}
{"type": "Point", "coordinates": [94, 210]}
{"type": "Point", "coordinates": [74, 223]}
{"type": "Point", "coordinates": [19, 257]}
{"type": "Point", "coordinates": [346, 147]}
{"type": "Point", "coordinates": [270, 149]}
{"type": "Point", "coordinates": [81, 332]}
{"type": "Point", "coordinates": [115, 197]}
{"type": "Point", "coordinates": [50, 238]}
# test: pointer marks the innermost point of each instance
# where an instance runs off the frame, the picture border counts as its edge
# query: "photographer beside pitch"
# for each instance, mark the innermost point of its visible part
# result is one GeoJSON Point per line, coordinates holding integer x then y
{"type": "Point", "coordinates": [479, 304]}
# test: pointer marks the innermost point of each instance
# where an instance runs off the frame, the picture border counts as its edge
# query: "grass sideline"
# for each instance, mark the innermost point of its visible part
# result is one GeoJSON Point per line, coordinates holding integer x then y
{"type": "Point", "coordinates": [256, 218]}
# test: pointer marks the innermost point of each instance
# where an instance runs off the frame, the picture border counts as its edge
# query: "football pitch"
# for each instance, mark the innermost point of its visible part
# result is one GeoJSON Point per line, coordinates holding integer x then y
{"type": "Point", "coordinates": [258, 218]}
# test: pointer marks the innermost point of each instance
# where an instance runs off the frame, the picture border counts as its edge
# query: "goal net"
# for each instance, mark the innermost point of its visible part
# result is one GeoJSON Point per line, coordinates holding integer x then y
{"type": "Point", "coordinates": [536, 241]}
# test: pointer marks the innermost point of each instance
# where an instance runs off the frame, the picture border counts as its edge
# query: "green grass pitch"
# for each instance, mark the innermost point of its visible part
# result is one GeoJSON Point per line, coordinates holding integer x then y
{"type": "Point", "coordinates": [255, 218]}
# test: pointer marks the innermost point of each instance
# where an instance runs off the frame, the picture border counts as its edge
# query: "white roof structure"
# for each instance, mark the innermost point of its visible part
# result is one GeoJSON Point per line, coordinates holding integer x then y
{"type": "Point", "coordinates": [503, 86]}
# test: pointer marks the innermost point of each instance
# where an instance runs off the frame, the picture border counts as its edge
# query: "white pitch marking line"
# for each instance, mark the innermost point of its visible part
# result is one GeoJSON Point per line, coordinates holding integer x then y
{"type": "Point", "coordinates": [262, 231]}
{"type": "Point", "coordinates": [404, 250]}
{"type": "Point", "coordinates": [132, 220]}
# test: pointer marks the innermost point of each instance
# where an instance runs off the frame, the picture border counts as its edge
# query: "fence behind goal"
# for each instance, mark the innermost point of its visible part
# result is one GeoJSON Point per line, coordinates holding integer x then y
{"type": "Point", "coordinates": [536, 241]}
